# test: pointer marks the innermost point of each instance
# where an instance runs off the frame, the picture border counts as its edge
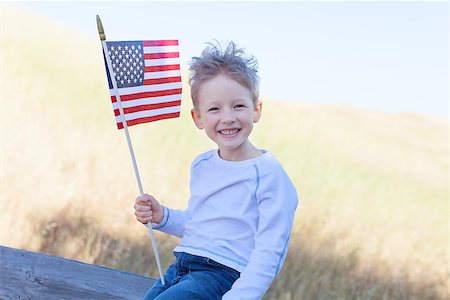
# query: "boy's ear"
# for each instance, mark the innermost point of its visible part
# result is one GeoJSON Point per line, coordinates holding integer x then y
{"type": "Point", "coordinates": [197, 119]}
{"type": "Point", "coordinates": [257, 112]}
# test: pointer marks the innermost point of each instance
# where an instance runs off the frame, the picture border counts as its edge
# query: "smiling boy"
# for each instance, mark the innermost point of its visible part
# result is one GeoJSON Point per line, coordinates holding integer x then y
{"type": "Point", "coordinates": [226, 112]}
{"type": "Point", "coordinates": [235, 231]}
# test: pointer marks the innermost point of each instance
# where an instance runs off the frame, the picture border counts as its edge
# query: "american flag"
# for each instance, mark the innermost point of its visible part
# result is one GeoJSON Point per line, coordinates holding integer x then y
{"type": "Point", "coordinates": [148, 80]}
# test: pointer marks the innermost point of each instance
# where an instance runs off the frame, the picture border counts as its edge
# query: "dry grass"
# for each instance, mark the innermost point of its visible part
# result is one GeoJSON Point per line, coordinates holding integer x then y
{"type": "Point", "coordinates": [373, 186]}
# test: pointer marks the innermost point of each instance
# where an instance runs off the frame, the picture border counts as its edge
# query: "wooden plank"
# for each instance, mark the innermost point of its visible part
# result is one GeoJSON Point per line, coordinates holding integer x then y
{"type": "Point", "coordinates": [30, 275]}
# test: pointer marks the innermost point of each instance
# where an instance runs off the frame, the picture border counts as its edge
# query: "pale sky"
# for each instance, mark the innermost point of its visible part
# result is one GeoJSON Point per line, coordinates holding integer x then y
{"type": "Point", "coordinates": [390, 56]}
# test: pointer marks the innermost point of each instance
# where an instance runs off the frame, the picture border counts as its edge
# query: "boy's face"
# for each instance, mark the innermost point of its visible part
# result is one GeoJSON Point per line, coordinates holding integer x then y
{"type": "Point", "coordinates": [227, 113]}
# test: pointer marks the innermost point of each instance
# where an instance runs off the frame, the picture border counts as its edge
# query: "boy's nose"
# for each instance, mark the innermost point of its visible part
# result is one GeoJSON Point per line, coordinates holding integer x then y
{"type": "Point", "coordinates": [228, 117]}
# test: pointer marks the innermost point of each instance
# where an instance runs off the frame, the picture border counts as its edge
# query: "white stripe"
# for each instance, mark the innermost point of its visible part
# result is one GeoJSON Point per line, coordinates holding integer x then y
{"type": "Point", "coordinates": [160, 49]}
{"type": "Point", "coordinates": [145, 101]}
{"type": "Point", "coordinates": [162, 62]}
{"type": "Point", "coordinates": [147, 88]}
{"type": "Point", "coordinates": [148, 113]}
{"type": "Point", "coordinates": [163, 74]}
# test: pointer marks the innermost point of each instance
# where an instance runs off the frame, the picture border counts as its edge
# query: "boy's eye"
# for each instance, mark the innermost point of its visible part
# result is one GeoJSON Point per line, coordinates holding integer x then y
{"type": "Point", "coordinates": [239, 106]}
{"type": "Point", "coordinates": [213, 109]}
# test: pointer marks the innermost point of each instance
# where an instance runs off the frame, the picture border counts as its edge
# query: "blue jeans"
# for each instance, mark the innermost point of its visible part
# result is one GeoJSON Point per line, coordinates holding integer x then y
{"type": "Point", "coordinates": [193, 277]}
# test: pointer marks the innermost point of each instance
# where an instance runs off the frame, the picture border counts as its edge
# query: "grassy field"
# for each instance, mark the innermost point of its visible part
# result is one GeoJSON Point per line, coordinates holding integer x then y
{"type": "Point", "coordinates": [373, 218]}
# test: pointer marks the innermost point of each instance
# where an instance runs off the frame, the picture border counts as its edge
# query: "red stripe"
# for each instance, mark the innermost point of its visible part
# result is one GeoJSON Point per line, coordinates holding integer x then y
{"type": "Point", "coordinates": [161, 55]}
{"type": "Point", "coordinates": [162, 80]}
{"type": "Point", "coordinates": [160, 43]}
{"type": "Point", "coordinates": [149, 119]}
{"type": "Point", "coordinates": [137, 108]}
{"type": "Point", "coordinates": [146, 95]}
{"type": "Point", "coordinates": [162, 68]}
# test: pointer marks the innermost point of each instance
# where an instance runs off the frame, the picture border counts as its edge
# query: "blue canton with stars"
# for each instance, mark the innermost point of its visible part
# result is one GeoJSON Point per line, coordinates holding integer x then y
{"type": "Point", "coordinates": [127, 59]}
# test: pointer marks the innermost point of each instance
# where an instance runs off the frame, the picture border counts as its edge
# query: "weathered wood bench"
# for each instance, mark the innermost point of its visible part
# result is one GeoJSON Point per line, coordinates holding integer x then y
{"type": "Point", "coordinates": [29, 275]}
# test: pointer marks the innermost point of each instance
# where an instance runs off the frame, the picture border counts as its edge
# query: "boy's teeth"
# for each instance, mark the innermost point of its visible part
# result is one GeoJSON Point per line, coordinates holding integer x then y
{"type": "Point", "coordinates": [228, 131]}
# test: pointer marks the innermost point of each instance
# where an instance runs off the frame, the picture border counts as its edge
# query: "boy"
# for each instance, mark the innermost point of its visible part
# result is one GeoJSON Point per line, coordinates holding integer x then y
{"type": "Point", "coordinates": [235, 231]}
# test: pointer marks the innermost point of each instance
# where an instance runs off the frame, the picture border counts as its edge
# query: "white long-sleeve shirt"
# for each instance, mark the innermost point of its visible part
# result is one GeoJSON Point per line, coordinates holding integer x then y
{"type": "Point", "coordinates": [240, 214]}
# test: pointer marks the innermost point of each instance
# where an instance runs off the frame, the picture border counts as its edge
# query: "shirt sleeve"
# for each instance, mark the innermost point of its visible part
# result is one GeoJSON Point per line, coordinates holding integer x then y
{"type": "Point", "coordinates": [173, 221]}
{"type": "Point", "coordinates": [277, 201]}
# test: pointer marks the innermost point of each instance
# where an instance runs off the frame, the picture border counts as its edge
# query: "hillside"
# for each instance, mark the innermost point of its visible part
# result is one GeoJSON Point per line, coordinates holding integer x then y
{"type": "Point", "coordinates": [373, 185]}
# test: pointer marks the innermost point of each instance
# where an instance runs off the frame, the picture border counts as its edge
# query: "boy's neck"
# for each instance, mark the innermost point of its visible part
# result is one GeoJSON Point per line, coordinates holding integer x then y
{"type": "Point", "coordinates": [249, 151]}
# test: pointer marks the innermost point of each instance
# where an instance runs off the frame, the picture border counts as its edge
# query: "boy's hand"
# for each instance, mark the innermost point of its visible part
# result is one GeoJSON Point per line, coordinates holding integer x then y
{"type": "Point", "coordinates": [147, 209]}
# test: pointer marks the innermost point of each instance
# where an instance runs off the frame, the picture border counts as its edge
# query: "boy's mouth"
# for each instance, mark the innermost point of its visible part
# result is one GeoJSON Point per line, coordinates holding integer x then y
{"type": "Point", "coordinates": [229, 132]}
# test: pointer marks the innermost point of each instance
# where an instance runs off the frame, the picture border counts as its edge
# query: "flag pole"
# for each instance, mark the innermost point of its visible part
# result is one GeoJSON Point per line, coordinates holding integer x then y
{"type": "Point", "coordinates": [102, 35]}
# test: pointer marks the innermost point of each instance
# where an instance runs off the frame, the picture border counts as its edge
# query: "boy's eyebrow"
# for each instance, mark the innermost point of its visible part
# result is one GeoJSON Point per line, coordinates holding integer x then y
{"type": "Point", "coordinates": [217, 103]}
{"type": "Point", "coordinates": [239, 99]}
{"type": "Point", "coordinates": [212, 103]}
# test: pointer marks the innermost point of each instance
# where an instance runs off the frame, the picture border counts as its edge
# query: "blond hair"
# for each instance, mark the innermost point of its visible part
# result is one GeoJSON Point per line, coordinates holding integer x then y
{"type": "Point", "coordinates": [232, 63]}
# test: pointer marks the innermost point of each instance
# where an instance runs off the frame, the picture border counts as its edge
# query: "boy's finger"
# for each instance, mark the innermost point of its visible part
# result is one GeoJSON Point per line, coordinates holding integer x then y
{"type": "Point", "coordinates": [142, 207]}
{"type": "Point", "coordinates": [146, 220]}
{"type": "Point", "coordinates": [142, 201]}
{"type": "Point", "coordinates": [143, 220]}
{"type": "Point", "coordinates": [147, 197]}
{"type": "Point", "coordinates": [143, 215]}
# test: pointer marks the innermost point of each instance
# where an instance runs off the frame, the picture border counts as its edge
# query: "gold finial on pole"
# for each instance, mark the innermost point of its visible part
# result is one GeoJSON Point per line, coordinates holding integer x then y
{"type": "Point", "coordinates": [101, 32]}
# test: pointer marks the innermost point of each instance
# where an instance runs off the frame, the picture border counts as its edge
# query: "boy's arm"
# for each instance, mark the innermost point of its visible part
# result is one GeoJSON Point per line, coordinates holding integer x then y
{"type": "Point", "coordinates": [173, 221]}
{"type": "Point", "coordinates": [276, 205]}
